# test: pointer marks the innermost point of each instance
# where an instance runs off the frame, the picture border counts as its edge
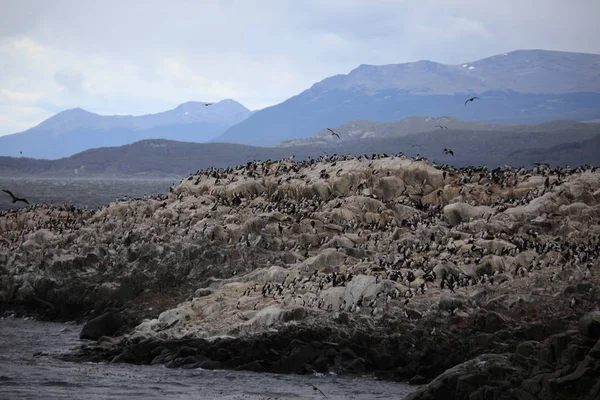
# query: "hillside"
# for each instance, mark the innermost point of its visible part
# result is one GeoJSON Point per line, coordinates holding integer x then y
{"type": "Point", "coordinates": [472, 280]}
{"type": "Point", "coordinates": [558, 143]}
{"type": "Point", "coordinates": [525, 87]}
{"type": "Point", "coordinates": [447, 126]}
{"type": "Point", "coordinates": [73, 131]}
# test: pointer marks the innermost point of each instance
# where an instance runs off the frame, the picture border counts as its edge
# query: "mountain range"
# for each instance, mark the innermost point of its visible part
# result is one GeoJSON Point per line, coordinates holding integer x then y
{"type": "Point", "coordinates": [556, 143]}
{"type": "Point", "coordinates": [525, 86]}
{"type": "Point", "coordinates": [76, 130]}
{"type": "Point", "coordinates": [522, 87]}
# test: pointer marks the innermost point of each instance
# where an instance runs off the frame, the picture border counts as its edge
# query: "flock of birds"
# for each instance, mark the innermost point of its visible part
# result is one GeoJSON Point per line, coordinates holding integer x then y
{"type": "Point", "coordinates": [333, 133]}
{"type": "Point", "coordinates": [446, 151]}
{"type": "Point", "coordinates": [413, 267]}
{"type": "Point", "coordinates": [406, 257]}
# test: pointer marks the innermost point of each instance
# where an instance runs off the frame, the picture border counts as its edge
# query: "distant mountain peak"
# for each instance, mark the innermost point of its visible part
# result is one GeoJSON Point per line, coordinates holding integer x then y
{"type": "Point", "coordinates": [76, 129]}
{"type": "Point", "coordinates": [75, 111]}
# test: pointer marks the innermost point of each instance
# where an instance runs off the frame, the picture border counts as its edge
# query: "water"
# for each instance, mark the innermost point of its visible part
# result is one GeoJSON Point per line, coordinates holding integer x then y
{"type": "Point", "coordinates": [25, 376]}
{"type": "Point", "coordinates": [90, 193]}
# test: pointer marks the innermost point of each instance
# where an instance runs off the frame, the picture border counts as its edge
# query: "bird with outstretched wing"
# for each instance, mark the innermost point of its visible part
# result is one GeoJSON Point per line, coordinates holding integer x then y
{"type": "Point", "coordinates": [316, 388]}
{"type": "Point", "coordinates": [333, 133]}
{"type": "Point", "coordinates": [15, 198]}
{"type": "Point", "coordinates": [472, 99]}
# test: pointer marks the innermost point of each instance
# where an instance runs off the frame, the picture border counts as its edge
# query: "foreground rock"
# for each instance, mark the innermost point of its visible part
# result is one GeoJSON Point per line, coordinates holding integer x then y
{"type": "Point", "coordinates": [383, 265]}
{"type": "Point", "coordinates": [105, 325]}
{"type": "Point", "coordinates": [565, 366]}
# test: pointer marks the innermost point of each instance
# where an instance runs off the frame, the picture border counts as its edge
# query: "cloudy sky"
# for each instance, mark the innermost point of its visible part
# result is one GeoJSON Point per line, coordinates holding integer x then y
{"type": "Point", "coordinates": [140, 57]}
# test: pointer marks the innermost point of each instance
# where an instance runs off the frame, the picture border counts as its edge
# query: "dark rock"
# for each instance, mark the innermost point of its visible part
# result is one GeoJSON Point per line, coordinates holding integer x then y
{"type": "Point", "coordinates": [343, 318]}
{"type": "Point", "coordinates": [595, 351]}
{"type": "Point", "coordinates": [26, 293]}
{"type": "Point", "coordinates": [356, 366]}
{"type": "Point", "coordinates": [520, 394]}
{"type": "Point", "coordinates": [413, 314]}
{"type": "Point", "coordinates": [589, 325]}
{"type": "Point", "coordinates": [528, 348]}
{"type": "Point", "coordinates": [490, 321]}
{"type": "Point", "coordinates": [209, 364]}
{"type": "Point", "coordinates": [534, 384]}
{"type": "Point", "coordinates": [105, 325]}
{"type": "Point", "coordinates": [581, 288]}
{"type": "Point", "coordinates": [417, 380]}
{"type": "Point", "coordinates": [295, 314]}
{"type": "Point", "coordinates": [254, 366]}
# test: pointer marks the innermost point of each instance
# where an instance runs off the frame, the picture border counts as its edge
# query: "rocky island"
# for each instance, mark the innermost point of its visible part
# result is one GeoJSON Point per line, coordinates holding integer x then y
{"type": "Point", "coordinates": [473, 283]}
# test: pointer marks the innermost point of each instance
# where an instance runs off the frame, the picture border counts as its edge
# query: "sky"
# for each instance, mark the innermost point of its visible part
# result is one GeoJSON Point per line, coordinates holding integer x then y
{"type": "Point", "coordinates": [140, 57]}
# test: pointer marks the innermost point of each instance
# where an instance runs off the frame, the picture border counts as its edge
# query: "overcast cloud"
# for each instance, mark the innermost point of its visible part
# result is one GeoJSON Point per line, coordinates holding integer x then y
{"type": "Point", "coordinates": [139, 57]}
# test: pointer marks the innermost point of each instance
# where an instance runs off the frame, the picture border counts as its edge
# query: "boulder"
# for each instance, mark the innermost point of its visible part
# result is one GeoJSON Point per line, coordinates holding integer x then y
{"type": "Point", "coordinates": [589, 324]}
{"type": "Point", "coordinates": [456, 213]}
{"type": "Point", "coordinates": [202, 292]}
{"type": "Point", "coordinates": [451, 302]}
{"type": "Point", "coordinates": [105, 325]}
{"type": "Point", "coordinates": [25, 293]}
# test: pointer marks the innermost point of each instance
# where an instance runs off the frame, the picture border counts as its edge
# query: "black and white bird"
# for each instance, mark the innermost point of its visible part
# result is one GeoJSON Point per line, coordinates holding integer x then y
{"type": "Point", "coordinates": [15, 198]}
{"type": "Point", "coordinates": [449, 151]}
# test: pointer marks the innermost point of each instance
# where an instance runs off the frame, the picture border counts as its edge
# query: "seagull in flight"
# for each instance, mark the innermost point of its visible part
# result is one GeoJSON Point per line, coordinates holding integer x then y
{"type": "Point", "coordinates": [207, 104]}
{"type": "Point", "coordinates": [441, 126]}
{"type": "Point", "coordinates": [471, 99]}
{"type": "Point", "coordinates": [316, 388]}
{"type": "Point", "coordinates": [449, 151]}
{"type": "Point", "coordinates": [333, 133]}
{"type": "Point", "coordinates": [15, 198]}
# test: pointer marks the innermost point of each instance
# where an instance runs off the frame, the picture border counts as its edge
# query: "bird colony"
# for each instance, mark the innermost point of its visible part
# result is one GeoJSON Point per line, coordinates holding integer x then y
{"type": "Point", "coordinates": [366, 240]}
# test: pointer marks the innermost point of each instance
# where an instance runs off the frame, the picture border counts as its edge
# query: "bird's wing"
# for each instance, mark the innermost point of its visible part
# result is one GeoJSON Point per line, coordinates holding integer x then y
{"type": "Point", "coordinates": [466, 102]}
{"type": "Point", "coordinates": [9, 193]}
{"type": "Point", "coordinates": [476, 98]}
{"type": "Point", "coordinates": [331, 130]}
{"type": "Point", "coordinates": [337, 135]}
{"type": "Point", "coordinates": [316, 388]}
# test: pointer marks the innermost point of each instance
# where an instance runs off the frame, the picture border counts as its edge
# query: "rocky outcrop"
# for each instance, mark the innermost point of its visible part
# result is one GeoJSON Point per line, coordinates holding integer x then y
{"type": "Point", "coordinates": [105, 325]}
{"type": "Point", "coordinates": [564, 366]}
{"type": "Point", "coordinates": [589, 325]}
{"type": "Point", "coordinates": [385, 265]}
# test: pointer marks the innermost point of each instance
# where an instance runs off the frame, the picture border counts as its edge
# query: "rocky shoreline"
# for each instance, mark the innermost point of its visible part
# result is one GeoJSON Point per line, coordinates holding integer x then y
{"type": "Point", "coordinates": [471, 280]}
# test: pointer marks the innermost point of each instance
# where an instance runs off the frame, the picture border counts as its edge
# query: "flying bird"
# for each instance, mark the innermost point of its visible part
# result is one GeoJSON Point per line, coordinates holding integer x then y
{"type": "Point", "coordinates": [471, 99]}
{"type": "Point", "coordinates": [15, 198]}
{"type": "Point", "coordinates": [316, 388]}
{"type": "Point", "coordinates": [449, 151]}
{"type": "Point", "coordinates": [333, 133]}
{"type": "Point", "coordinates": [207, 104]}
{"type": "Point", "coordinates": [441, 126]}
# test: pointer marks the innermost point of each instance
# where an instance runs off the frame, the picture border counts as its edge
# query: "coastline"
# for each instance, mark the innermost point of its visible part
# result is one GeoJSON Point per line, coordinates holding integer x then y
{"type": "Point", "coordinates": [263, 267]}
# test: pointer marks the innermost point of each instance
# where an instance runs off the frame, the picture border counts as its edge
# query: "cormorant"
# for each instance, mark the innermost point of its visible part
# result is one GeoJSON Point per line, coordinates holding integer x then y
{"type": "Point", "coordinates": [471, 99]}
{"type": "Point", "coordinates": [14, 198]}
